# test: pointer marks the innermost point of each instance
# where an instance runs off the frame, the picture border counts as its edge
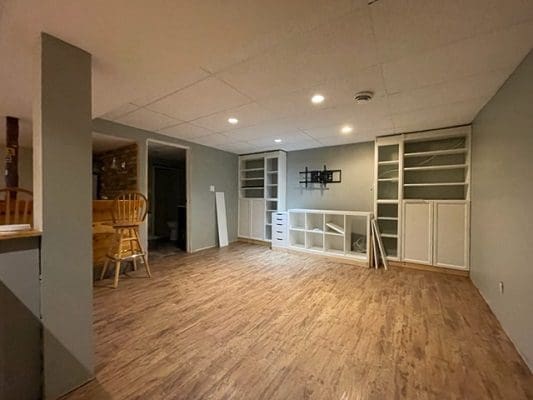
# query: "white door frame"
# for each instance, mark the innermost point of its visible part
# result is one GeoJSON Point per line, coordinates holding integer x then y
{"type": "Point", "coordinates": [187, 178]}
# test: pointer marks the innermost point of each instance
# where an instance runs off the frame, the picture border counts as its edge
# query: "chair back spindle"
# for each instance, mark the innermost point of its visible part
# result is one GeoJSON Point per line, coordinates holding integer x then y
{"type": "Point", "coordinates": [16, 206]}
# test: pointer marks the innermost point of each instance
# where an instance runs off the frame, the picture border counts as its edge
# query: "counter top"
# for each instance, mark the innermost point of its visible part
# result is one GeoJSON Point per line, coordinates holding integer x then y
{"type": "Point", "coordinates": [20, 234]}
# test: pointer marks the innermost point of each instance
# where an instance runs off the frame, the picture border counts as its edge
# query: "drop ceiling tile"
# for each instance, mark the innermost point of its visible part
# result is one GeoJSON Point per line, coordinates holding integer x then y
{"type": "Point", "coordinates": [289, 138]}
{"type": "Point", "coordinates": [163, 85]}
{"type": "Point", "coordinates": [120, 111]}
{"type": "Point", "coordinates": [377, 126]}
{"type": "Point", "coordinates": [332, 50]}
{"type": "Point", "coordinates": [337, 92]}
{"type": "Point", "coordinates": [203, 98]}
{"type": "Point", "coordinates": [301, 145]}
{"type": "Point", "coordinates": [146, 119]}
{"type": "Point", "coordinates": [238, 147]}
{"type": "Point", "coordinates": [459, 113]}
{"type": "Point", "coordinates": [459, 90]}
{"type": "Point", "coordinates": [185, 131]}
{"type": "Point", "coordinates": [407, 27]}
{"type": "Point", "coordinates": [353, 114]}
{"type": "Point", "coordinates": [248, 115]}
{"type": "Point", "coordinates": [265, 130]}
{"type": "Point", "coordinates": [496, 50]}
{"type": "Point", "coordinates": [213, 140]}
{"type": "Point", "coordinates": [337, 140]}
{"type": "Point", "coordinates": [256, 27]}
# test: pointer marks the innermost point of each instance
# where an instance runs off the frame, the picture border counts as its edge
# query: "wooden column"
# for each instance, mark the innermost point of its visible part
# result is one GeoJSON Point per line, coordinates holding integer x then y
{"type": "Point", "coordinates": [12, 152]}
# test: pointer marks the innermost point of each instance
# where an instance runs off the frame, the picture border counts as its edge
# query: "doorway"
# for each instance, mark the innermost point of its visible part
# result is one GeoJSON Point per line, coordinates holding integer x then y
{"type": "Point", "coordinates": [167, 195]}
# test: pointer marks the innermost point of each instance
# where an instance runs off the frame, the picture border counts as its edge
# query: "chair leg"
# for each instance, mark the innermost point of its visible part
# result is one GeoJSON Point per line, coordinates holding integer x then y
{"type": "Point", "coordinates": [104, 269]}
{"type": "Point", "coordinates": [117, 273]}
{"type": "Point", "coordinates": [146, 266]}
{"type": "Point", "coordinates": [141, 250]}
{"type": "Point", "coordinates": [131, 233]}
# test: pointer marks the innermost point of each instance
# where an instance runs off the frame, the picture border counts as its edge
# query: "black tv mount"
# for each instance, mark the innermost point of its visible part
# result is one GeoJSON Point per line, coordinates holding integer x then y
{"type": "Point", "coordinates": [323, 177]}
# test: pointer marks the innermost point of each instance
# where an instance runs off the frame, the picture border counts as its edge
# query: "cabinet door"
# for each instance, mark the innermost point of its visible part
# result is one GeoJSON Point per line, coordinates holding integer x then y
{"type": "Point", "coordinates": [451, 234]}
{"type": "Point", "coordinates": [417, 231]}
{"type": "Point", "coordinates": [257, 219]}
{"type": "Point", "coordinates": [244, 218]}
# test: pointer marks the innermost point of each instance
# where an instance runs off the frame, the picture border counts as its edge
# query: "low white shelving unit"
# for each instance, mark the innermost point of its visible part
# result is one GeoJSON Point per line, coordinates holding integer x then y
{"type": "Point", "coordinates": [340, 234]}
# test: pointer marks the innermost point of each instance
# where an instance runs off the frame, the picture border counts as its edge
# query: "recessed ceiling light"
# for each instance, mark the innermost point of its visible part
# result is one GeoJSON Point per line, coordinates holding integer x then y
{"type": "Point", "coordinates": [346, 129]}
{"type": "Point", "coordinates": [277, 140]}
{"type": "Point", "coordinates": [233, 120]}
{"type": "Point", "coordinates": [317, 99]}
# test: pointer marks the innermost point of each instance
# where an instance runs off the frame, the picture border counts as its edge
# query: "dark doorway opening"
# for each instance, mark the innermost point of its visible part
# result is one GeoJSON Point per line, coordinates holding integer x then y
{"type": "Point", "coordinates": [167, 193]}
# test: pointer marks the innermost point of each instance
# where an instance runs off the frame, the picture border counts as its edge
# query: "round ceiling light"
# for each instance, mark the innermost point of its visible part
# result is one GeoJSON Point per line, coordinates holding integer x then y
{"type": "Point", "coordinates": [277, 140]}
{"type": "Point", "coordinates": [233, 120]}
{"type": "Point", "coordinates": [317, 99]}
{"type": "Point", "coordinates": [347, 129]}
{"type": "Point", "coordinates": [363, 97]}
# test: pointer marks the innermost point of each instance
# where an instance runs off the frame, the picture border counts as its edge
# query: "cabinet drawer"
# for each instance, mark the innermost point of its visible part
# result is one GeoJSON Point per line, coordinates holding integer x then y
{"type": "Point", "coordinates": [279, 242]}
{"type": "Point", "coordinates": [278, 234]}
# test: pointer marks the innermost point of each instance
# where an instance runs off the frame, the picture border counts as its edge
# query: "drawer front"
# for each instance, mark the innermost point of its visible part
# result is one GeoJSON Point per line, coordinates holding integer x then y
{"type": "Point", "coordinates": [279, 234]}
{"type": "Point", "coordinates": [279, 242]}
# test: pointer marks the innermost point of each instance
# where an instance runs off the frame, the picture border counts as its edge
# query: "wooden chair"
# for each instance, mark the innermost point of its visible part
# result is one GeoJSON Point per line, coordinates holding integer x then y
{"type": "Point", "coordinates": [129, 212]}
{"type": "Point", "coordinates": [16, 206]}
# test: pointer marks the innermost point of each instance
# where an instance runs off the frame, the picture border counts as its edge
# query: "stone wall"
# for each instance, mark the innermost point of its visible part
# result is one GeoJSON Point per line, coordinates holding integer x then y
{"type": "Point", "coordinates": [116, 170]}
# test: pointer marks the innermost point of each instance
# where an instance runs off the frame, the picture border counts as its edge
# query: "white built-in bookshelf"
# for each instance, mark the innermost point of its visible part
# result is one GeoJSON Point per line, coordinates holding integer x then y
{"type": "Point", "coordinates": [262, 191]}
{"type": "Point", "coordinates": [421, 171]}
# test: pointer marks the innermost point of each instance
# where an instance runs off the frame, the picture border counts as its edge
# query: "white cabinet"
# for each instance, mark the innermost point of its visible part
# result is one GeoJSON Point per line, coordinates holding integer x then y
{"type": "Point", "coordinates": [417, 220]}
{"type": "Point", "coordinates": [244, 218]}
{"type": "Point", "coordinates": [436, 232]}
{"type": "Point", "coordinates": [252, 218]}
{"type": "Point", "coordinates": [450, 234]}
{"type": "Point", "coordinates": [257, 219]}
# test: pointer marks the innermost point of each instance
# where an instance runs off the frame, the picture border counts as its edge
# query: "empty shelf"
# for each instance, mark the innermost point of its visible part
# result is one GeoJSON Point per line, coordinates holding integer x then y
{"type": "Point", "coordinates": [386, 201]}
{"type": "Point", "coordinates": [387, 179]}
{"type": "Point", "coordinates": [389, 235]}
{"type": "Point", "coordinates": [388, 162]}
{"type": "Point", "coordinates": [436, 167]}
{"type": "Point", "coordinates": [435, 153]}
{"type": "Point", "coordinates": [388, 218]}
{"type": "Point", "coordinates": [252, 169]}
{"type": "Point", "coordinates": [436, 184]}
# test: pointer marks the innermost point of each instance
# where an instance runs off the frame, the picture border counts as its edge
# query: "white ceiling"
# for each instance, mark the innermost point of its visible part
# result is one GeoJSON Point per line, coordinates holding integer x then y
{"type": "Point", "coordinates": [182, 68]}
{"type": "Point", "coordinates": [103, 142]}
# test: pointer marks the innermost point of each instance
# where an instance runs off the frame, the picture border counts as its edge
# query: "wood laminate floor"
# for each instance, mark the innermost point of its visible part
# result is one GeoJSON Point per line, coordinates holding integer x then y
{"type": "Point", "coordinates": [248, 323]}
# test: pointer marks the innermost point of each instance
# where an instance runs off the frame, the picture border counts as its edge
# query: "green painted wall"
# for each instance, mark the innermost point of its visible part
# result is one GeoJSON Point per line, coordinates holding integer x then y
{"type": "Point", "coordinates": [207, 166]}
{"type": "Point", "coordinates": [502, 193]}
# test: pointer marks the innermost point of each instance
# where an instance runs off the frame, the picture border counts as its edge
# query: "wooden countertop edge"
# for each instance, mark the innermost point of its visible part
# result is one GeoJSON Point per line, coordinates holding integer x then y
{"type": "Point", "coordinates": [20, 234]}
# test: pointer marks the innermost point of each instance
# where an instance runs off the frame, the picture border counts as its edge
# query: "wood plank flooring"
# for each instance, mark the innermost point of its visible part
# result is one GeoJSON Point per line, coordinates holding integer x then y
{"type": "Point", "coordinates": [245, 322]}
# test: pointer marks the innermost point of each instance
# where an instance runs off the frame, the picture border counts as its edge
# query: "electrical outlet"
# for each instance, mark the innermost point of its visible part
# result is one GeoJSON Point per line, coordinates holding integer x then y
{"type": "Point", "coordinates": [212, 188]}
{"type": "Point", "coordinates": [500, 285]}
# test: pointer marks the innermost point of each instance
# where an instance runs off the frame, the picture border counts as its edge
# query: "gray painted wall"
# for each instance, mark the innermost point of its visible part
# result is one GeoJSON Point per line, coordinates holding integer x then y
{"type": "Point", "coordinates": [502, 193]}
{"type": "Point", "coordinates": [354, 192]}
{"type": "Point", "coordinates": [25, 167]}
{"type": "Point", "coordinates": [63, 192]}
{"type": "Point", "coordinates": [20, 325]}
{"type": "Point", "coordinates": [208, 166]}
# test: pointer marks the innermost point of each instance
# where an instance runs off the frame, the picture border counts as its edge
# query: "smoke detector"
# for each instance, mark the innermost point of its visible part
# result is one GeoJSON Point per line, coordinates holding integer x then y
{"type": "Point", "coordinates": [363, 97]}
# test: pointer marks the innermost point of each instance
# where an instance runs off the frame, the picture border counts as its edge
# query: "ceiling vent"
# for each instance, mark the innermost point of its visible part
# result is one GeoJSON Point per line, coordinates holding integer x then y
{"type": "Point", "coordinates": [363, 97]}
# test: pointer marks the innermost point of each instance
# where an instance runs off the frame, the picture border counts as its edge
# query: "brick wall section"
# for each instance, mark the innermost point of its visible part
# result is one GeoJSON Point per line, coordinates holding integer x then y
{"type": "Point", "coordinates": [113, 181]}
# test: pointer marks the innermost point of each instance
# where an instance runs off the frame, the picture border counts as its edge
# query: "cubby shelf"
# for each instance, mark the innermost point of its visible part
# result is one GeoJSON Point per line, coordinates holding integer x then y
{"type": "Point", "coordinates": [436, 184]}
{"type": "Point", "coordinates": [435, 153]}
{"type": "Point", "coordinates": [436, 167]}
{"type": "Point", "coordinates": [310, 227]}
{"type": "Point", "coordinates": [387, 201]}
{"type": "Point", "coordinates": [252, 169]}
